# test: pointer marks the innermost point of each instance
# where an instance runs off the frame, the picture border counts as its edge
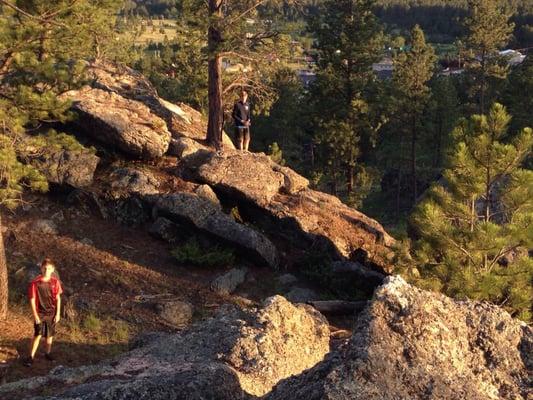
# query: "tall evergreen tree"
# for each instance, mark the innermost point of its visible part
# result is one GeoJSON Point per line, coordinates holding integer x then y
{"type": "Point", "coordinates": [483, 213]}
{"type": "Point", "coordinates": [412, 71]}
{"type": "Point", "coordinates": [517, 96]}
{"type": "Point", "coordinates": [236, 33]}
{"type": "Point", "coordinates": [348, 40]}
{"type": "Point", "coordinates": [444, 113]}
{"type": "Point", "coordinates": [488, 30]}
{"type": "Point", "coordinates": [42, 43]}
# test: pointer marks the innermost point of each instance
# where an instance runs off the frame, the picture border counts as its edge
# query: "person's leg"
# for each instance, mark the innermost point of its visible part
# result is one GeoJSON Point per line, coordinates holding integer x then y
{"type": "Point", "coordinates": [246, 138]}
{"type": "Point", "coordinates": [49, 341]}
{"type": "Point", "coordinates": [35, 345]}
{"type": "Point", "coordinates": [240, 138]}
{"type": "Point", "coordinates": [50, 332]}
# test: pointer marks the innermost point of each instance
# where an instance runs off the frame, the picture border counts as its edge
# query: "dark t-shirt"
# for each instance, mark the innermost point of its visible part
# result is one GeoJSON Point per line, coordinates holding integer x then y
{"type": "Point", "coordinates": [45, 294]}
{"type": "Point", "coordinates": [241, 113]}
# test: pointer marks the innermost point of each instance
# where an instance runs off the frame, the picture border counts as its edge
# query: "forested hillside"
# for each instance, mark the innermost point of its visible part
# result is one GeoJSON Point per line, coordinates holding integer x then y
{"type": "Point", "coordinates": [441, 19]}
{"type": "Point", "coordinates": [388, 137]}
{"type": "Point", "coordinates": [386, 146]}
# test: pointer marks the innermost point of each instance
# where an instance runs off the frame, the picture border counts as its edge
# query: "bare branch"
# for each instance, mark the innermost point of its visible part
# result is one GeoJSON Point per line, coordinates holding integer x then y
{"type": "Point", "coordinates": [244, 13]}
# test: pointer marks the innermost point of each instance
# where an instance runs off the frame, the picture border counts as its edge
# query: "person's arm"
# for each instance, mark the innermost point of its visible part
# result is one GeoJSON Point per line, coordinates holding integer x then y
{"type": "Point", "coordinates": [32, 295]}
{"type": "Point", "coordinates": [235, 112]}
{"type": "Point", "coordinates": [59, 291]}
{"type": "Point", "coordinates": [58, 308]}
{"type": "Point", "coordinates": [34, 310]}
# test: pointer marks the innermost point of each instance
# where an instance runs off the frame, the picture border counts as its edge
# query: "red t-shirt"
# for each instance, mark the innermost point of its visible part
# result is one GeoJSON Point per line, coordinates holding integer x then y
{"type": "Point", "coordinates": [45, 294]}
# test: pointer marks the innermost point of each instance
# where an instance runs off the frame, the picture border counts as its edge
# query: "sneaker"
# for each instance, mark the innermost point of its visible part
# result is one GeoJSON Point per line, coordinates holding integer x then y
{"type": "Point", "coordinates": [28, 362]}
{"type": "Point", "coordinates": [49, 357]}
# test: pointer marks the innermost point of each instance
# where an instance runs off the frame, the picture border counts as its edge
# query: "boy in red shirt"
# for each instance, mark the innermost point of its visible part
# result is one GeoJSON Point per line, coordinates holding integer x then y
{"type": "Point", "coordinates": [45, 299]}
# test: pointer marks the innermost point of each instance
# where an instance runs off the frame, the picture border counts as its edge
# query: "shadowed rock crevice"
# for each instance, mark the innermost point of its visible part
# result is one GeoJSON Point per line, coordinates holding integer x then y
{"type": "Point", "coordinates": [279, 200]}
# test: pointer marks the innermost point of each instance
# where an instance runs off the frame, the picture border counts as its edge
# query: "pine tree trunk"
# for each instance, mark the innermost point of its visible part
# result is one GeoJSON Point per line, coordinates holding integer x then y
{"type": "Point", "coordinates": [413, 161]}
{"type": "Point", "coordinates": [215, 121]}
{"type": "Point", "coordinates": [351, 179]}
{"type": "Point", "coordinates": [472, 213]}
{"type": "Point", "coordinates": [3, 278]}
{"type": "Point", "coordinates": [398, 193]}
{"type": "Point", "coordinates": [483, 82]}
{"type": "Point", "coordinates": [334, 188]}
{"type": "Point", "coordinates": [438, 148]}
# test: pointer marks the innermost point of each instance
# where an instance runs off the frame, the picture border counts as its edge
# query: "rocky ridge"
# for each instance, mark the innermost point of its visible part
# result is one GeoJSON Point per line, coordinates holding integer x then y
{"type": "Point", "coordinates": [121, 109]}
{"type": "Point", "coordinates": [236, 354]}
{"type": "Point", "coordinates": [305, 215]}
{"type": "Point", "coordinates": [407, 344]}
{"type": "Point", "coordinates": [412, 344]}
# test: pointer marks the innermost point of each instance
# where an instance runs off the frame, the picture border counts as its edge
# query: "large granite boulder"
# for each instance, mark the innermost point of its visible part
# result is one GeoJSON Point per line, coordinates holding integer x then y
{"type": "Point", "coordinates": [306, 215]}
{"type": "Point", "coordinates": [253, 176]}
{"type": "Point", "coordinates": [133, 181]}
{"type": "Point", "coordinates": [207, 216]}
{"type": "Point", "coordinates": [412, 344]}
{"type": "Point", "coordinates": [125, 124]}
{"type": "Point", "coordinates": [65, 167]}
{"type": "Point", "coordinates": [181, 120]}
{"type": "Point", "coordinates": [238, 354]}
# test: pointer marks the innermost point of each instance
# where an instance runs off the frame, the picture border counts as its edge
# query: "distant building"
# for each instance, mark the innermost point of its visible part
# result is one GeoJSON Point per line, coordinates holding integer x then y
{"type": "Point", "coordinates": [306, 76]}
{"type": "Point", "coordinates": [514, 57]}
{"type": "Point", "coordinates": [384, 68]}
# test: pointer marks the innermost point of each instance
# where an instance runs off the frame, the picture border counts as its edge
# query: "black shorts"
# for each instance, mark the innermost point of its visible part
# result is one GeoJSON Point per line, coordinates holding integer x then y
{"type": "Point", "coordinates": [46, 328]}
{"type": "Point", "coordinates": [242, 133]}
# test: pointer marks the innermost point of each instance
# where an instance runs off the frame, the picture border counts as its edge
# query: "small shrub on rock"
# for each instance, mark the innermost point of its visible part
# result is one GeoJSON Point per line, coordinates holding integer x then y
{"type": "Point", "coordinates": [191, 252]}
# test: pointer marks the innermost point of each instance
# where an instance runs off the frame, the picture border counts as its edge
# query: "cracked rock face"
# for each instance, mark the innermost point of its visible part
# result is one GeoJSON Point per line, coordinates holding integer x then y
{"type": "Point", "coordinates": [413, 344]}
{"type": "Point", "coordinates": [66, 167]}
{"type": "Point", "coordinates": [207, 216]}
{"type": "Point", "coordinates": [181, 119]}
{"type": "Point", "coordinates": [129, 125]}
{"type": "Point", "coordinates": [301, 213]}
{"type": "Point", "coordinates": [235, 355]}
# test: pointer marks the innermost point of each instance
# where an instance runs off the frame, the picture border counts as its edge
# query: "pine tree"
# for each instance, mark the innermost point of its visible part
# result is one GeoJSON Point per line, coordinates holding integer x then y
{"type": "Point", "coordinates": [489, 30]}
{"type": "Point", "coordinates": [236, 34]}
{"type": "Point", "coordinates": [42, 44]}
{"type": "Point", "coordinates": [443, 115]}
{"type": "Point", "coordinates": [348, 41]}
{"type": "Point", "coordinates": [517, 96]}
{"type": "Point", "coordinates": [482, 214]}
{"type": "Point", "coordinates": [412, 71]}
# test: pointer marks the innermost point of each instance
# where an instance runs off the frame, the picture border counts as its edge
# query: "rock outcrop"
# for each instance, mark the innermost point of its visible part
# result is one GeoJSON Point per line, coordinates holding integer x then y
{"type": "Point", "coordinates": [181, 120]}
{"type": "Point", "coordinates": [307, 215]}
{"type": "Point", "coordinates": [227, 283]}
{"type": "Point", "coordinates": [66, 167]}
{"type": "Point", "coordinates": [207, 217]}
{"type": "Point", "coordinates": [412, 344]}
{"type": "Point", "coordinates": [235, 355]}
{"type": "Point", "coordinates": [124, 124]}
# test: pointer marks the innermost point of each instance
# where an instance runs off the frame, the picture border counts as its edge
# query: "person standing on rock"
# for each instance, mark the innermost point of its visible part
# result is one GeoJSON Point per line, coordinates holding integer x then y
{"type": "Point", "coordinates": [45, 299]}
{"type": "Point", "coordinates": [241, 116]}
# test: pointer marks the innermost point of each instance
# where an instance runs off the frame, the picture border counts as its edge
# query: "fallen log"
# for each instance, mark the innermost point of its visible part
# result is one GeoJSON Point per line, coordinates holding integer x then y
{"type": "Point", "coordinates": [338, 307]}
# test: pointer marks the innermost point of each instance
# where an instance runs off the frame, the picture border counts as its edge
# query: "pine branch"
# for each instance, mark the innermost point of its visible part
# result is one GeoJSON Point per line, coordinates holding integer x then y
{"type": "Point", "coordinates": [31, 16]}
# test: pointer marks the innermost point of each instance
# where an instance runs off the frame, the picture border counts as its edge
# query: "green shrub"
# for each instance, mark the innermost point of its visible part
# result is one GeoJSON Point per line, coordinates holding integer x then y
{"type": "Point", "coordinates": [191, 252]}
{"type": "Point", "coordinates": [120, 330]}
{"type": "Point", "coordinates": [92, 323]}
{"type": "Point", "coordinates": [276, 154]}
